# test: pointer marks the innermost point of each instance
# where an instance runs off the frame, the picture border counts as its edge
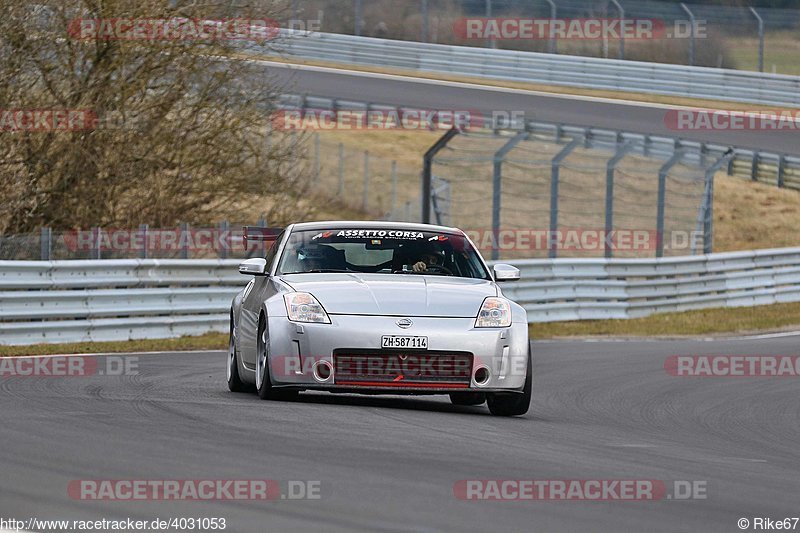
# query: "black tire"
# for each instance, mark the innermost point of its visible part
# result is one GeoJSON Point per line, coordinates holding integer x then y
{"type": "Point", "coordinates": [467, 398]}
{"type": "Point", "coordinates": [264, 387]}
{"type": "Point", "coordinates": [513, 403]}
{"type": "Point", "coordinates": [235, 383]}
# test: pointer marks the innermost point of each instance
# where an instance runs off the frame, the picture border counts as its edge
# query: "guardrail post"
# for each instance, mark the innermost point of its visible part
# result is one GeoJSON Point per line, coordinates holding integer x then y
{"type": "Point", "coordinates": [611, 166]}
{"type": "Point", "coordinates": [427, 171]}
{"type": "Point", "coordinates": [365, 199]}
{"type": "Point", "coordinates": [691, 34]}
{"type": "Point", "coordinates": [341, 170]}
{"type": "Point", "coordinates": [552, 44]}
{"type": "Point", "coordinates": [754, 166]}
{"type": "Point", "coordinates": [781, 169]}
{"type": "Point", "coordinates": [760, 39]}
{"type": "Point", "coordinates": [621, 53]}
{"type": "Point", "coordinates": [662, 198]}
{"type": "Point", "coordinates": [144, 237]}
{"type": "Point", "coordinates": [184, 240]}
{"type": "Point", "coordinates": [497, 184]}
{"type": "Point", "coordinates": [555, 167]}
{"type": "Point", "coordinates": [46, 243]}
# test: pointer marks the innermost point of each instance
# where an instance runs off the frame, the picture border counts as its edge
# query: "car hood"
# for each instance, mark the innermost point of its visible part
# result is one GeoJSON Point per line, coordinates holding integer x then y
{"type": "Point", "coordinates": [395, 294]}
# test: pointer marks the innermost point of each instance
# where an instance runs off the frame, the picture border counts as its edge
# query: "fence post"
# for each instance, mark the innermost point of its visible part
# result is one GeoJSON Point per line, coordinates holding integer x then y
{"type": "Point", "coordinates": [224, 239]}
{"type": "Point", "coordinates": [760, 39]}
{"type": "Point", "coordinates": [691, 34]}
{"type": "Point", "coordinates": [317, 163]}
{"type": "Point", "coordinates": [662, 199]}
{"type": "Point", "coordinates": [427, 172]}
{"type": "Point", "coordinates": [555, 167]}
{"type": "Point", "coordinates": [143, 232]}
{"type": "Point", "coordinates": [552, 45]}
{"type": "Point", "coordinates": [489, 40]}
{"type": "Point", "coordinates": [341, 170]}
{"type": "Point", "coordinates": [611, 166]}
{"type": "Point", "coordinates": [97, 252]}
{"type": "Point", "coordinates": [358, 14]}
{"type": "Point", "coordinates": [184, 231]}
{"type": "Point", "coordinates": [425, 29]}
{"type": "Point", "coordinates": [365, 200]}
{"type": "Point", "coordinates": [46, 243]}
{"type": "Point", "coordinates": [781, 169]}
{"type": "Point", "coordinates": [262, 245]}
{"type": "Point", "coordinates": [708, 207]}
{"type": "Point", "coordinates": [497, 184]}
{"type": "Point", "coordinates": [394, 188]}
{"type": "Point", "coordinates": [621, 53]}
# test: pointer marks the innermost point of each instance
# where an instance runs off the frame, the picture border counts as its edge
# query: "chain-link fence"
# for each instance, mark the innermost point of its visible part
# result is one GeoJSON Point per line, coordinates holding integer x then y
{"type": "Point", "coordinates": [362, 183]}
{"type": "Point", "coordinates": [699, 34]}
{"type": "Point", "coordinates": [541, 194]}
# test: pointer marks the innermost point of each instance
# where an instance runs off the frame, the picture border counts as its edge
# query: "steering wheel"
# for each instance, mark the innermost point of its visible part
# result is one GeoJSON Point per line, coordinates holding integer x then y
{"type": "Point", "coordinates": [437, 268]}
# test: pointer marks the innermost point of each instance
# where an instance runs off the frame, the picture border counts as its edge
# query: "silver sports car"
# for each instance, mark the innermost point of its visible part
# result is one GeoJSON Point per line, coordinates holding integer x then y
{"type": "Point", "coordinates": [378, 308]}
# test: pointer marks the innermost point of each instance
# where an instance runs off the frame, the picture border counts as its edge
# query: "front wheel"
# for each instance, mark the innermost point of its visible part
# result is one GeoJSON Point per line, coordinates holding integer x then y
{"type": "Point", "coordinates": [513, 403]}
{"type": "Point", "coordinates": [264, 386]}
{"type": "Point", "coordinates": [235, 383]}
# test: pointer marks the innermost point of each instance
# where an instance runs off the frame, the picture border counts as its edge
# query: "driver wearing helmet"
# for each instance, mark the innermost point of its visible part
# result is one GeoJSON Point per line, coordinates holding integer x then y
{"type": "Point", "coordinates": [428, 259]}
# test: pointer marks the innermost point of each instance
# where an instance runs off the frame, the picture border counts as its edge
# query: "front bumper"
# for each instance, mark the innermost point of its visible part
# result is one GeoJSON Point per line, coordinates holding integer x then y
{"type": "Point", "coordinates": [297, 351]}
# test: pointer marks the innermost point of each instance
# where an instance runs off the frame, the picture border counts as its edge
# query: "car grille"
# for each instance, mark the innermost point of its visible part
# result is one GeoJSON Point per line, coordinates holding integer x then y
{"type": "Point", "coordinates": [402, 369]}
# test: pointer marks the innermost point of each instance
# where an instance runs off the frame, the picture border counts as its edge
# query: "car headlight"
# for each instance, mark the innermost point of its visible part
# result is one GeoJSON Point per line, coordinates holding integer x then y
{"type": "Point", "coordinates": [303, 307]}
{"type": "Point", "coordinates": [495, 313]}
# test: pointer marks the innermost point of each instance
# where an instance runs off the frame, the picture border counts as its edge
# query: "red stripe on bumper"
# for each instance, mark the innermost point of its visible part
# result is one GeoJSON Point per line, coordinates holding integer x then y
{"type": "Point", "coordinates": [404, 384]}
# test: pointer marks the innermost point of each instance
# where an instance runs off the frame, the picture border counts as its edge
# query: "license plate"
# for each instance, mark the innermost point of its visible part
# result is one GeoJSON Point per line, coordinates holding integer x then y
{"type": "Point", "coordinates": [404, 341]}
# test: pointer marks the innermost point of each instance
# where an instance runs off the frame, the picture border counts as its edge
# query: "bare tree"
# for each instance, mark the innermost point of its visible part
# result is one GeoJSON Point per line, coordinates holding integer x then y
{"type": "Point", "coordinates": [179, 129]}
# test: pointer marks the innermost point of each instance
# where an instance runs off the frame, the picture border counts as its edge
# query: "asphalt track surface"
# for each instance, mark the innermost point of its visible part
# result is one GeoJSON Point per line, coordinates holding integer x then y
{"type": "Point", "coordinates": [601, 410]}
{"type": "Point", "coordinates": [583, 111]}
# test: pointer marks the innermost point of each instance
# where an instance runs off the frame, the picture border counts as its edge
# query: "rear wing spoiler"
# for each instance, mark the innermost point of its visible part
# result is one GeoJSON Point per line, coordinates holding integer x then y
{"type": "Point", "coordinates": [259, 234]}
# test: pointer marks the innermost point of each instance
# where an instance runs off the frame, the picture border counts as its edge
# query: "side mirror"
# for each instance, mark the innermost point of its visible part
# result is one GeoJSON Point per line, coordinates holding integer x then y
{"type": "Point", "coordinates": [503, 272]}
{"type": "Point", "coordinates": [253, 267]}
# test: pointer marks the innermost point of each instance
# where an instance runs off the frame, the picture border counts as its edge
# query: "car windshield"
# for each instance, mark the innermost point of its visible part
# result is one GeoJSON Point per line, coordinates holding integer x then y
{"type": "Point", "coordinates": [381, 250]}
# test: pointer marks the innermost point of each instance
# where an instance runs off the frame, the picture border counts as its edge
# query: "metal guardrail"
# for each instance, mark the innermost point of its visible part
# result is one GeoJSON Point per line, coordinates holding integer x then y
{"type": "Point", "coordinates": [71, 301]}
{"type": "Point", "coordinates": [110, 300]}
{"type": "Point", "coordinates": [776, 169]}
{"type": "Point", "coordinates": [596, 289]}
{"type": "Point", "coordinates": [553, 69]}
